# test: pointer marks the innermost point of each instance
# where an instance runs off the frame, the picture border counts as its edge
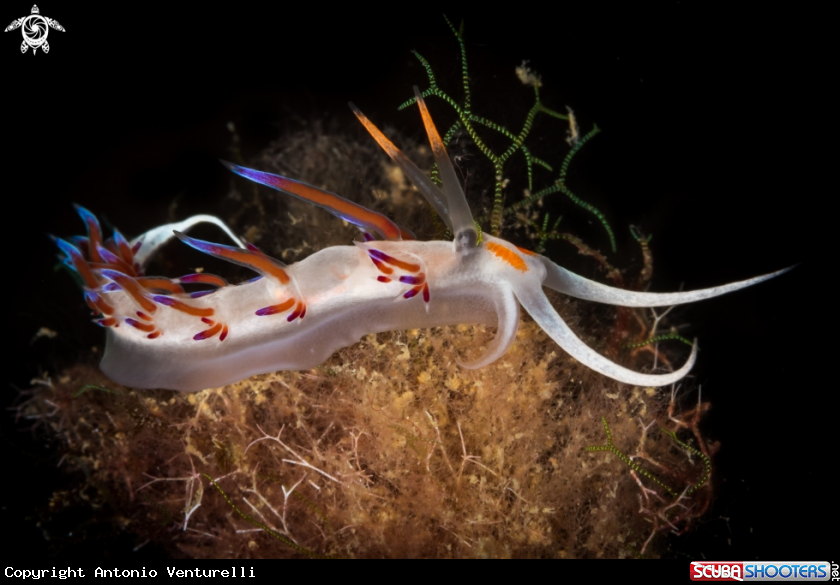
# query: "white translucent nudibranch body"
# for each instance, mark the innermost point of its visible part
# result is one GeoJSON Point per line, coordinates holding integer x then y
{"type": "Point", "coordinates": [294, 317]}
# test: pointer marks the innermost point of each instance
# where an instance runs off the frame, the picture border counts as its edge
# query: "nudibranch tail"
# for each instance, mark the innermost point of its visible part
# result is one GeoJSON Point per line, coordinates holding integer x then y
{"type": "Point", "coordinates": [351, 212]}
{"type": "Point", "coordinates": [147, 244]}
{"type": "Point", "coordinates": [460, 215]}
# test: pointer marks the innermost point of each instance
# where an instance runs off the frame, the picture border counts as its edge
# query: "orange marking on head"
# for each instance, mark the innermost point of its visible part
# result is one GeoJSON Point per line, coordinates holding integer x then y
{"type": "Point", "coordinates": [526, 252]}
{"type": "Point", "coordinates": [438, 148]}
{"type": "Point", "coordinates": [507, 255]}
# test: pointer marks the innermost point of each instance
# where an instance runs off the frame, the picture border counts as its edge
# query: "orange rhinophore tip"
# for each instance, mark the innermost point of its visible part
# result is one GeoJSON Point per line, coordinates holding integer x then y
{"type": "Point", "coordinates": [438, 148]}
{"type": "Point", "coordinates": [423, 183]}
{"type": "Point", "coordinates": [459, 210]}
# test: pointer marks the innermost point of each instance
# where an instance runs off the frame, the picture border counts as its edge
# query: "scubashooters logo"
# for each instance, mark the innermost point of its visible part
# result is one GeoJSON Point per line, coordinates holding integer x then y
{"type": "Point", "coordinates": [760, 571]}
{"type": "Point", "coordinates": [35, 29]}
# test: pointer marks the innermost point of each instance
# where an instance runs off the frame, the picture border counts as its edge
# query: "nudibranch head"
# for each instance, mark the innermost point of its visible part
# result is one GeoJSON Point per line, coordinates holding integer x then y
{"type": "Point", "coordinates": [294, 317]}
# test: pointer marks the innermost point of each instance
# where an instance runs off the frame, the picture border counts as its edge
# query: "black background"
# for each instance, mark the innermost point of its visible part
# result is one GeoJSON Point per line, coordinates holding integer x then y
{"type": "Point", "coordinates": [712, 140]}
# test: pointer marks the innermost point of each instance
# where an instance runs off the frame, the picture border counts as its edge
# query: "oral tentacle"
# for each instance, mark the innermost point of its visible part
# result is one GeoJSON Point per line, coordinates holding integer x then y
{"type": "Point", "coordinates": [569, 283]}
{"type": "Point", "coordinates": [507, 310]}
{"type": "Point", "coordinates": [536, 304]}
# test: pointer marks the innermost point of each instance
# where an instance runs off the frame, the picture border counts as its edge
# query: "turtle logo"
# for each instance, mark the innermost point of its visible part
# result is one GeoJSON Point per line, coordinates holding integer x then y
{"type": "Point", "coordinates": [35, 29]}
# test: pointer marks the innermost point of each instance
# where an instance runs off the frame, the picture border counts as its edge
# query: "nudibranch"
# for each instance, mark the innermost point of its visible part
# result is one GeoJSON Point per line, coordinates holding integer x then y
{"type": "Point", "coordinates": [294, 317]}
